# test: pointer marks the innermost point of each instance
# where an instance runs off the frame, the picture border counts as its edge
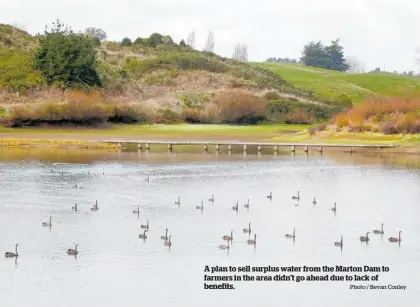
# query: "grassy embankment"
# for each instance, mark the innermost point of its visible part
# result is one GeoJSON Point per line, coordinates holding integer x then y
{"type": "Point", "coordinates": [329, 84]}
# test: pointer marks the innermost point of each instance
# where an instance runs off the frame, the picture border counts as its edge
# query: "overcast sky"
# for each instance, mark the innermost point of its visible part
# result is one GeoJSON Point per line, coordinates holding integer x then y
{"type": "Point", "coordinates": [381, 33]}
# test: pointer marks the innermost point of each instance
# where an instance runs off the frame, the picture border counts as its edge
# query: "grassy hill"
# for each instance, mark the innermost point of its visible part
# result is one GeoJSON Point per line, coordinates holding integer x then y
{"type": "Point", "coordinates": [158, 83]}
{"type": "Point", "coordinates": [330, 84]}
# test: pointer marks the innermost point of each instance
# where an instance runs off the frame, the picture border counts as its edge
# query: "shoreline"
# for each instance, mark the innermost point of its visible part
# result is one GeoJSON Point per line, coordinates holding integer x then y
{"type": "Point", "coordinates": [264, 135]}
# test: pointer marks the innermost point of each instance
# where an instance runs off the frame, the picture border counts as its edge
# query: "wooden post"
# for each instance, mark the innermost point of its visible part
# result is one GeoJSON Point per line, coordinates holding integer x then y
{"type": "Point", "coordinates": [320, 149]}
{"type": "Point", "coordinates": [259, 148]}
{"type": "Point", "coordinates": [229, 148]}
{"type": "Point", "coordinates": [169, 147]}
{"type": "Point", "coordinates": [140, 146]}
{"type": "Point", "coordinates": [147, 146]}
{"type": "Point", "coordinates": [276, 148]}
{"type": "Point", "coordinates": [245, 148]}
{"type": "Point", "coordinates": [217, 147]}
{"type": "Point", "coordinates": [351, 149]}
{"type": "Point", "coordinates": [293, 148]}
{"type": "Point", "coordinates": [206, 147]}
{"type": "Point", "coordinates": [306, 149]}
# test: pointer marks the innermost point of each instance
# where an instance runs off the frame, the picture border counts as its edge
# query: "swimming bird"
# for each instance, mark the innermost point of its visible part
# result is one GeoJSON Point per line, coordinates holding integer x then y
{"type": "Point", "coordinates": [247, 230]}
{"type": "Point", "coordinates": [95, 207]}
{"type": "Point", "coordinates": [296, 197]}
{"type": "Point", "coordinates": [168, 243]}
{"type": "Point", "coordinates": [12, 255]}
{"type": "Point", "coordinates": [73, 252]}
{"type": "Point", "coordinates": [224, 246]}
{"type": "Point", "coordinates": [165, 237]}
{"type": "Point", "coordinates": [211, 199]}
{"type": "Point", "coordinates": [379, 232]}
{"type": "Point", "coordinates": [334, 208]}
{"type": "Point", "coordinates": [314, 202]}
{"type": "Point", "coordinates": [137, 211]}
{"type": "Point", "coordinates": [178, 202]}
{"type": "Point", "coordinates": [339, 243]}
{"type": "Point", "coordinates": [270, 196]}
{"type": "Point", "coordinates": [235, 208]}
{"type": "Point", "coordinates": [228, 238]}
{"type": "Point", "coordinates": [145, 226]}
{"type": "Point", "coordinates": [291, 235]}
{"type": "Point", "coordinates": [201, 207]}
{"type": "Point", "coordinates": [143, 236]}
{"type": "Point", "coordinates": [74, 208]}
{"type": "Point", "coordinates": [246, 205]}
{"type": "Point", "coordinates": [47, 224]}
{"type": "Point", "coordinates": [365, 238]}
{"type": "Point", "coordinates": [252, 242]}
{"type": "Point", "coordinates": [393, 239]}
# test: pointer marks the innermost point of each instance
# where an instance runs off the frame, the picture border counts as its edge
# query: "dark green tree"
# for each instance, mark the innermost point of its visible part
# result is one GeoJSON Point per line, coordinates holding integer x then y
{"type": "Point", "coordinates": [139, 41]}
{"type": "Point", "coordinates": [335, 55]}
{"type": "Point", "coordinates": [329, 57]}
{"type": "Point", "coordinates": [182, 43]}
{"type": "Point", "coordinates": [126, 42]}
{"type": "Point", "coordinates": [155, 39]}
{"type": "Point", "coordinates": [66, 58]}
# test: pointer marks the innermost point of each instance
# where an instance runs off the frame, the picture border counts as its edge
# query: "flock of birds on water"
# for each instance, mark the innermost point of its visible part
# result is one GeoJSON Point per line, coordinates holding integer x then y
{"type": "Point", "coordinates": [228, 238]}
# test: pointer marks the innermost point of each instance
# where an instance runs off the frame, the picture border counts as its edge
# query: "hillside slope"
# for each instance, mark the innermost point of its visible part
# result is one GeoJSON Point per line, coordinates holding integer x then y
{"type": "Point", "coordinates": [330, 84]}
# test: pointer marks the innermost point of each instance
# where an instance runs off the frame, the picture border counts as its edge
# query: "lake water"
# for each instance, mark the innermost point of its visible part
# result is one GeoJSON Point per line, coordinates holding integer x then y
{"type": "Point", "coordinates": [116, 268]}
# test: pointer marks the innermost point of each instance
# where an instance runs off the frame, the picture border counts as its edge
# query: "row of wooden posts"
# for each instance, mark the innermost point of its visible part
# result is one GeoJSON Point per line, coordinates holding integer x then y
{"type": "Point", "coordinates": [245, 147]}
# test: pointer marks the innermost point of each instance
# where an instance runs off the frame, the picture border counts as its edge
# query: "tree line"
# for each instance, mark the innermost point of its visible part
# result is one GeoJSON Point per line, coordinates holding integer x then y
{"type": "Point", "coordinates": [316, 54]}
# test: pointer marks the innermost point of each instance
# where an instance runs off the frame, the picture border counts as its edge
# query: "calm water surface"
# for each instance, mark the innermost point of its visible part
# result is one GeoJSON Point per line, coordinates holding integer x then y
{"type": "Point", "coordinates": [116, 268]}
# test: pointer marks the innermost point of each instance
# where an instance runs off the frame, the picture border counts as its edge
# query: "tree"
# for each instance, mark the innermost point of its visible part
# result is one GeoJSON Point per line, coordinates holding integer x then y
{"type": "Point", "coordinates": [126, 42]}
{"type": "Point", "coordinates": [329, 57]}
{"type": "Point", "coordinates": [335, 54]}
{"type": "Point", "coordinates": [96, 32]}
{"type": "Point", "coordinates": [314, 54]}
{"type": "Point", "coordinates": [182, 43]}
{"type": "Point", "coordinates": [191, 39]}
{"type": "Point", "coordinates": [240, 53]}
{"type": "Point", "coordinates": [209, 47]}
{"type": "Point", "coordinates": [139, 41]}
{"type": "Point", "coordinates": [66, 58]}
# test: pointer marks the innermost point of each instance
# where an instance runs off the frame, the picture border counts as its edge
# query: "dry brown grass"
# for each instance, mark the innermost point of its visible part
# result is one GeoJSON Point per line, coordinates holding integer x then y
{"type": "Point", "coordinates": [384, 114]}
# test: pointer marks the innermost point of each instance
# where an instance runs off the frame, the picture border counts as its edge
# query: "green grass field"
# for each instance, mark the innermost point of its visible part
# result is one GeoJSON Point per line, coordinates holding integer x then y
{"type": "Point", "coordinates": [262, 133]}
{"type": "Point", "coordinates": [330, 84]}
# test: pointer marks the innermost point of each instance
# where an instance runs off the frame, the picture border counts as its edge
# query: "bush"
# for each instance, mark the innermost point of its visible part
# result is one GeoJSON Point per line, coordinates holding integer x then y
{"type": "Point", "coordinates": [126, 42]}
{"type": "Point", "coordinates": [239, 107]}
{"type": "Point", "coordinates": [299, 117]}
{"type": "Point", "coordinates": [67, 58]}
{"type": "Point", "coordinates": [272, 95]}
{"type": "Point", "coordinates": [280, 109]}
{"type": "Point", "coordinates": [17, 72]}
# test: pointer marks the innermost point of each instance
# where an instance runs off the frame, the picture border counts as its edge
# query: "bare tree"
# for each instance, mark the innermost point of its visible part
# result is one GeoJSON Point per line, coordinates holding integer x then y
{"type": "Point", "coordinates": [240, 53]}
{"type": "Point", "coordinates": [209, 47]}
{"type": "Point", "coordinates": [191, 39]}
{"type": "Point", "coordinates": [96, 32]}
{"type": "Point", "coordinates": [356, 66]}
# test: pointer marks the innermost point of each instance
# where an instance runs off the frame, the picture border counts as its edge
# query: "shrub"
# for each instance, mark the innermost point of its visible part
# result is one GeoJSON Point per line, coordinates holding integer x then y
{"type": "Point", "coordinates": [272, 95]}
{"type": "Point", "coordinates": [67, 58]}
{"type": "Point", "coordinates": [299, 117]}
{"type": "Point", "coordinates": [239, 107]}
{"type": "Point", "coordinates": [17, 72]}
{"type": "Point", "coordinates": [126, 42]}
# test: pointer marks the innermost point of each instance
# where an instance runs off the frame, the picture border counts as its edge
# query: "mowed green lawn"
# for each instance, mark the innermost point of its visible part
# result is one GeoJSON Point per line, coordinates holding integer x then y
{"type": "Point", "coordinates": [330, 84]}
